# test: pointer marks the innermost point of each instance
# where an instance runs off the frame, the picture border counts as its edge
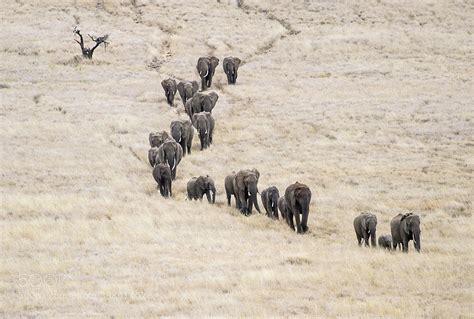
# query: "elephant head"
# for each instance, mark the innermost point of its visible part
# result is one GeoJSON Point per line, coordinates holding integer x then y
{"type": "Point", "coordinates": [369, 225]}
{"type": "Point", "coordinates": [169, 86]}
{"type": "Point", "coordinates": [411, 227]}
{"type": "Point", "coordinates": [177, 130]}
{"type": "Point", "coordinates": [158, 138]}
{"type": "Point", "coordinates": [202, 125]}
{"type": "Point", "coordinates": [170, 152]}
{"type": "Point", "coordinates": [209, 101]}
{"type": "Point", "coordinates": [206, 67]}
{"type": "Point", "coordinates": [187, 89]}
{"type": "Point", "coordinates": [231, 66]}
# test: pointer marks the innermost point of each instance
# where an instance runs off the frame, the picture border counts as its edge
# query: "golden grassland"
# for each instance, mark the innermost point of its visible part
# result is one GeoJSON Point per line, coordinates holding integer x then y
{"type": "Point", "coordinates": [369, 103]}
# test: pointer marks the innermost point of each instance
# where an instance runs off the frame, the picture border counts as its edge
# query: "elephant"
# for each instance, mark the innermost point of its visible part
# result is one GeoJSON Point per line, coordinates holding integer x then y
{"type": "Point", "coordinates": [282, 206]}
{"type": "Point", "coordinates": [152, 153]}
{"type": "Point", "coordinates": [365, 226]}
{"type": "Point", "coordinates": [229, 189]}
{"type": "Point", "coordinates": [206, 66]}
{"type": "Point", "coordinates": [245, 190]}
{"type": "Point", "coordinates": [198, 186]}
{"type": "Point", "coordinates": [385, 241]}
{"type": "Point", "coordinates": [169, 85]}
{"type": "Point", "coordinates": [406, 227]}
{"type": "Point", "coordinates": [201, 102]}
{"type": "Point", "coordinates": [187, 89]}
{"type": "Point", "coordinates": [270, 198]}
{"type": "Point", "coordinates": [170, 152]}
{"type": "Point", "coordinates": [204, 124]}
{"type": "Point", "coordinates": [298, 198]}
{"type": "Point", "coordinates": [158, 138]}
{"type": "Point", "coordinates": [182, 132]}
{"type": "Point", "coordinates": [231, 66]}
{"type": "Point", "coordinates": [162, 176]}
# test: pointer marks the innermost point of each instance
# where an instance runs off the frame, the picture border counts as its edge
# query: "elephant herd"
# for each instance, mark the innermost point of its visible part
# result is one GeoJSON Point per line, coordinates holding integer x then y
{"type": "Point", "coordinates": [404, 227]}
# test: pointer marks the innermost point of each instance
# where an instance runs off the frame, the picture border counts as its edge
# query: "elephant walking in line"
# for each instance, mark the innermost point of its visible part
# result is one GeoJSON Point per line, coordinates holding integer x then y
{"type": "Point", "coordinates": [201, 102]}
{"type": "Point", "coordinates": [270, 198]}
{"type": "Point", "coordinates": [169, 85]}
{"type": "Point", "coordinates": [406, 227]}
{"type": "Point", "coordinates": [282, 206]}
{"type": "Point", "coordinates": [231, 66]}
{"type": "Point", "coordinates": [245, 190]}
{"type": "Point", "coordinates": [182, 132]}
{"type": "Point", "coordinates": [187, 89]}
{"type": "Point", "coordinates": [170, 152]}
{"type": "Point", "coordinates": [162, 176]}
{"type": "Point", "coordinates": [298, 198]}
{"type": "Point", "coordinates": [229, 189]}
{"type": "Point", "coordinates": [204, 124]}
{"type": "Point", "coordinates": [198, 186]}
{"type": "Point", "coordinates": [206, 67]}
{"type": "Point", "coordinates": [152, 153]}
{"type": "Point", "coordinates": [158, 138]}
{"type": "Point", "coordinates": [365, 226]}
{"type": "Point", "coordinates": [385, 241]}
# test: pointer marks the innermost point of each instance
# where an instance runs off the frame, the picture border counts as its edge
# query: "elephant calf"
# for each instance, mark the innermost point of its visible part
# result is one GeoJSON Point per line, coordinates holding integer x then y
{"type": "Point", "coordinates": [187, 89]}
{"type": "Point", "coordinates": [298, 198]}
{"type": "Point", "coordinates": [182, 132]}
{"type": "Point", "coordinates": [198, 186]}
{"type": "Point", "coordinates": [158, 138]}
{"type": "Point", "coordinates": [282, 206]}
{"type": "Point", "coordinates": [406, 227]}
{"type": "Point", "coordinates": [365, 226]}
{"type": "Point", "coordinates": [162, 176]}
{"type": "Point", "coordinates": [385, 241]}
{"type": "Point", "coordinates": [229, 189]}
{"type": "Point", "coordinates": [231, 66]}
{"type": "Point", "coordinates": [204, 124]}
{"type": "Point", "coordinates": [270, 198]}
{"type": "Point", "coordinates": [169, 86]}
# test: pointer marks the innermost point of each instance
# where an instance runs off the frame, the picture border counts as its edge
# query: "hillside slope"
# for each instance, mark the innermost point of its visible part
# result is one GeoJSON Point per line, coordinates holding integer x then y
{"type": "Point", "coordinates": [370, 104]}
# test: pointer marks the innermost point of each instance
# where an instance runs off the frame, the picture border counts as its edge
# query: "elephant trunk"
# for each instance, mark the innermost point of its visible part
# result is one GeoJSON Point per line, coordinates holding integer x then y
{"type": "Point", "coordinates": [213, 195]}
{"type": "Point", "coordinates": [416, 239]}
{"type": "Point", "coordinates": [373, 237]}
{"type": "Point", "coordinates": [253, 200]}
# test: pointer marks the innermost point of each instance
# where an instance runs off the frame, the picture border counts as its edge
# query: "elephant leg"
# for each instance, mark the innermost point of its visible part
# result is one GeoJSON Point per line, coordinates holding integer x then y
{"type": "Point", "coordinates": [359, 239]}
{"type": "Point", "coordinates": [304, 222]}
{"type": "Point", "coordinates": [366, 239]}
{"type": "Point", "coordinates": [299, 230]}
{"type": "Point", "coordinates": [289, 220]}
{"type": "Point", "coordinates": [208, 196]}
{"type": "Point", "coordinates": [228, 199]}
{"type": "Point", "coordinates": [173, 174]}
{"type": "Point", "coordinates": [242, 201]}
{"type": "Point", "coordinates": [405, 245]}
{"type": "Point", "coordinates": [183, 146]}
{"type": "Point", "coordinates": [203, 84]}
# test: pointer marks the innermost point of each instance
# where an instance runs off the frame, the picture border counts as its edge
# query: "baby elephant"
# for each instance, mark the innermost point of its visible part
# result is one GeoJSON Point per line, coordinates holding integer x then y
{"type": "Point", "coordinates": [170, 88]}
{"type": "Point", "coordinates": [385, 241]}
{"type": "Point", "coordinates": [270, 197]}
{"type": "Point", "coordinates": [282, 206]}
{"type": "Point", "coordinates": [198, 186]}
{"type": "Point", "coordinates": [162, 176]}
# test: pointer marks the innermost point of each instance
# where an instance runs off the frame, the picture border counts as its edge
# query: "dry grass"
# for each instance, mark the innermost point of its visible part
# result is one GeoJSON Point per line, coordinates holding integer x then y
{"type": "Point", "coordinates": [370, 104]}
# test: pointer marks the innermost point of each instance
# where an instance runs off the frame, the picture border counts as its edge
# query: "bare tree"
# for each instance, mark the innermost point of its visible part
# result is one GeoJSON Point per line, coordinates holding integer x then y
{"type": "Point", "coordinates": [88, 52]}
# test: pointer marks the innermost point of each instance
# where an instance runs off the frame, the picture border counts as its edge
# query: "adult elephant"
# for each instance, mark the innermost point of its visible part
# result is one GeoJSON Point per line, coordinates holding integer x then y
{"type": "Point", "coordinates": [206, 66]}
{"type": "Point", "coordinates": [282, 206]}
{"type": "Point", "coordinates": [406, 227]}
{"type": "Point", "coordinates": [158, 138]}
{"type": "Point", "coordinates": [270, 198]}
{"type": "Point", "coordinates": [198, 186]}
{"type": "Point", "coordinates": [201, 102]}
{"type": "Point", "coordinates": [182, 132]}
{"type": "Point", "coordinates": [204, 124]}
{"type": "Point", "coordinates": [365, 226]}
{"type": "Point", "coordinates": [246, 189]}
{"type": "Point", "coordinates": [187, 89]}
{"type": "Point", "coordinates": [298, 198]}
{"type": "Point", "coordinates": [229, 189]}
{"type": "Point", "coordinates": [162, 176]}
{"type": "Point", "coordinates": [170, 152]}
{"type": "Point", "coordinates": [170, 87]}
{"type": "Point", "coordinates": [231, 66]}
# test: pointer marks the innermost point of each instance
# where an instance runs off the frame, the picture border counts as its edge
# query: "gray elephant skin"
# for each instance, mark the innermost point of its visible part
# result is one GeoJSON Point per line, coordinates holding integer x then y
{"type": "Point", "coordinates": [385, 242]}
{"type": "Point", "coordinates": [282, 207]}
{"type": "Point", "coordinates": [158, 138]}
{"type": "Point", "coordinates": [231, 66]}
{"type": "Point", "coordinates": [270, 198]}
{"type": "Point", "coordinates": [365, 226]}
{"type": "Point", "coordinates": [198, 186]}
{"type": "Point", "coordinates": [201, 102]}
{"type": "Point", "coordinates": [152, 154]}
{"type": "Point", "coordinates": [170, 87]}
{"type": "Point", "coordinates": [245, 190]}
{"type": "Point", "coordinates": [204, 124]}
{"type": "Point", "coordinates": [298, 199]}
{"type": "Point", "coordinates": [229, 189]}
{"type": "Point", "coordinates": [182, 132]}
{"type": "Point", "coordinates": [162, 176]}
{"type": "Point", "coordinates": [170, 152]}
{"type": "Point", "coordinates": [206, 67]}
{"type": "Point", "coordinates": [187, 89]}
{"type": "Point", "coordinates": [406, 227]}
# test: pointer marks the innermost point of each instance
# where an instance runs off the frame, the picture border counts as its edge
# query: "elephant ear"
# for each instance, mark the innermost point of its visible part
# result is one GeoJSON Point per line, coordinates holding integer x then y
{"type": "Point", "coordinates": [151, 156]}
{"type": "Point", "coordinates": [257, 173]}
{"type": "Point", "coordinates": [189, 106]}
{"type": "Point", "coordinates": [195, 118]}
{"type": "Point", "coordinates": [164, 84]}
{"type": "Point", "coordinates": [181, 89]}
{"type": "Point", "coordinates": [160, 155]}
{"type": "Point", "coordinates": [214, 61]}
{"type": "Point", "coordinates": [214, 97]}
{"type": "Point", "coordinates": [173, 82]}
{"type": "Point", "coordinates": [179, 153]}
{"type": "Point", "coordinates": [237, 62]}
{"type": "Point", "coordinates": [195, 85]}
{"type": "Point", "coordinates": [363, 223]}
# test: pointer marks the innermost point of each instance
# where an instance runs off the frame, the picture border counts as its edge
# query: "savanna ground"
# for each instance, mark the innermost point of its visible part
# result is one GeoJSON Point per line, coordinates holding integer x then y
{"type": "Point", "coordinates": [369, 103]}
